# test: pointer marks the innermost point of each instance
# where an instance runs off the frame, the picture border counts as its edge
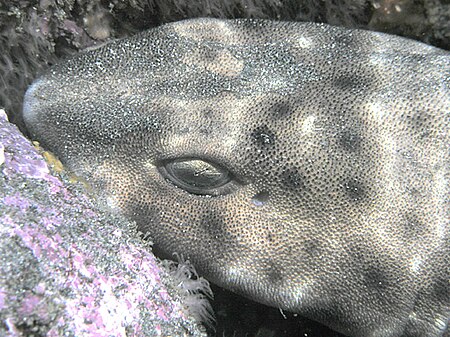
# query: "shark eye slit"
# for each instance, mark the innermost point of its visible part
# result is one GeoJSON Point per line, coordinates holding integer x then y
{"type": "Point", "coordinates": [198, 176]}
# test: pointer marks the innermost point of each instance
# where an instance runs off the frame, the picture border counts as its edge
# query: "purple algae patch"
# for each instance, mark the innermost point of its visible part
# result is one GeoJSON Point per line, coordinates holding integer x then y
{"type": "Point", "coordinates": [2, 299]}
{"type": "Point", "coordinates": [17, 201]}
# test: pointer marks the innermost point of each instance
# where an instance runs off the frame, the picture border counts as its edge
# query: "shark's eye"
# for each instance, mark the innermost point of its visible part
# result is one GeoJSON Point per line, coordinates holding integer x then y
{"type": "Point", "coordinates": [197, 176]}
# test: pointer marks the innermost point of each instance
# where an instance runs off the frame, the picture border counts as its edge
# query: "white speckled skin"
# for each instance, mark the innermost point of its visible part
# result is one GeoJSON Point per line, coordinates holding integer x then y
{"type": "Point", "coordinates": [335, 145]}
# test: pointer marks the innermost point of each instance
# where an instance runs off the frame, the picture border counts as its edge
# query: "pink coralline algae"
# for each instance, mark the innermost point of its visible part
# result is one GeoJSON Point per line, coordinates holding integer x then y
{"type": "Point", "coordinates": [69, 268]}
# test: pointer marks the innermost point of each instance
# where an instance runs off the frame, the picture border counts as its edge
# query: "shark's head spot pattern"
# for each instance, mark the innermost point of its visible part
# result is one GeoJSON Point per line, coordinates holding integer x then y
{"type": "Point", "coordinates": [412, 226]}
{"type": "Point", "coordinates": [311, 250]}
{"type": "Point", "coordinates": [293, 180]}
{"type": "Point", "coordinates": [281, 110]}
{"type": "Point", "coordinates": [442, 290]}
{"type": "Point", "coordinates": [303, 165]}
{"type": "Point", "coordinates": [354, 189]}
{"type": "Point", "coordinates": [274, 273]}
{"type": "Point", "coordinates": [263, 137]}
{"type": "Point", "coordinates": [350, 140]}
{"type": "Point", "coordinates": [349, 82]}
{"type": "Point", "coordinates": [420, 123]}
{"type": "Point", "coordinates": [376, 279]}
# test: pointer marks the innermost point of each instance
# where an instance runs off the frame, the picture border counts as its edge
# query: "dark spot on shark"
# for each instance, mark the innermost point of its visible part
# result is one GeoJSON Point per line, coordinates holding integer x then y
{"type": "Point", "coordinates": [376, 278]}
{"type": "Point", "coordinates": [273, 272]}
{"type": "Point", "coordinates": [214, 224]}
{"type": "Point", "coordinates": [350, 140]}
{"type": "Point", "coordinates": [441, 287]}
{"type": "Point", "coordinates": [293, 180]}
{"type": "Point", "coordinates": [263, 137]}
{"type": "Point", "coordinates": [351, 81]}
{"type": "Point", "coordinates": [281, 110]}
{"type": "Point", "coordinates": [354, 190]}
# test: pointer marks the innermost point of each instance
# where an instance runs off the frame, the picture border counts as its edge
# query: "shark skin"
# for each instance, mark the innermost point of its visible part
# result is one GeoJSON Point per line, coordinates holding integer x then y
{"type": "Point", "coordinates": [302, 165]}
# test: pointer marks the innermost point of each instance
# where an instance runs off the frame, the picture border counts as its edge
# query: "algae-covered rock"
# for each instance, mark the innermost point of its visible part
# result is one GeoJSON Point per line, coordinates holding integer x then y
{"type": "Point", "coordinates": [67, 268]}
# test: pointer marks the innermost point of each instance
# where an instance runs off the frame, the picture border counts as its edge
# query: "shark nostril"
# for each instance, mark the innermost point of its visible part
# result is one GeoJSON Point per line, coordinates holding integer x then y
{"type": "Point", "coordinates": [261, 198]}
